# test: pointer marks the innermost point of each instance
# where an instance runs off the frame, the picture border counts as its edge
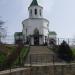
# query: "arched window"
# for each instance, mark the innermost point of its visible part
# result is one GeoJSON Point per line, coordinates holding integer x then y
{"type": "Point", "coordinates": [36, 31]}
{"type": "Point", "coordinates": [35, 11]}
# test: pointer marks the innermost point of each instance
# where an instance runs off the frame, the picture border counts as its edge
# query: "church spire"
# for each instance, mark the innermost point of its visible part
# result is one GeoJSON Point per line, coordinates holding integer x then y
{"type": "Point", "coordinates": [34, 3]}
{"type": "Point", "coordinates": [35, 10]}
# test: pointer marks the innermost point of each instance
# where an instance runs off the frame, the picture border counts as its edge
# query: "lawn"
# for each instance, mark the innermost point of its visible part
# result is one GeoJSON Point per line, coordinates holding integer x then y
{"type": "Point", "coordinates": [12, 55]}
{"type": "Point", "coordinates": [5, 50]}
{"type": "Point", "coordinates": [73, 49]}
{"type": "Point", "coordinates": [21, 58]}
{"type": "Point", "coordinates": [2, 57]}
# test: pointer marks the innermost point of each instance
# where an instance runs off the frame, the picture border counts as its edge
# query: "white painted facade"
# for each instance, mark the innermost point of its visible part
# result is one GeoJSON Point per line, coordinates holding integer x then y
{"type": "Point", "coordinates": [53, 36]}
{"type": "Point", "coordinates": [36, 28]}
{"type": "Point", "coordinates": [35, 23]}
{"type": "Point", "coordinates": [39, 12]}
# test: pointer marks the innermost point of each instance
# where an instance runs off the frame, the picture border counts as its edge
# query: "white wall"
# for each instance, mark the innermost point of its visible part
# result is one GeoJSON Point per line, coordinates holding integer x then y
{"type": "Point", "coordinates": [45, 28]}
{"type": "Point", "coordinates": [39, 23]}
{"type": "Point", "coordinates": [31, 24]}
{"type": "Point", "coordinates": [38, 12]}
{"type": "Point", "coordinates": [52, 36]}
{"type": "Point", "coordinates": [41, 41]}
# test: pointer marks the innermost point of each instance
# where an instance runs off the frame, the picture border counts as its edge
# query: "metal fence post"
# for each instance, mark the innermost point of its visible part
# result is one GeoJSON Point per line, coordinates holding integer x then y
{"type": "Point", "coordinates": [53, 60]}
{"type": "Point", "coordinates": [30, 65]}
{"type": "Point", "coordinates": [53, 64]}
{"type": "Point", "coordinates": [62, 70]}
{"type": "Point", "coordinates": [30, 60]}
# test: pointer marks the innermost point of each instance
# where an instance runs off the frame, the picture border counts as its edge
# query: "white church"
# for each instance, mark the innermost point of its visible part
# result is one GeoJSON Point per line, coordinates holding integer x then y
{"type": "Point", "coordinates": [35, 28]}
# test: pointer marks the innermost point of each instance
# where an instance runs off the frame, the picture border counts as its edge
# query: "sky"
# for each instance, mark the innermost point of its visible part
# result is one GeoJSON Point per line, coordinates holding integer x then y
{"type": "Point", "coordinates": [60, 13]}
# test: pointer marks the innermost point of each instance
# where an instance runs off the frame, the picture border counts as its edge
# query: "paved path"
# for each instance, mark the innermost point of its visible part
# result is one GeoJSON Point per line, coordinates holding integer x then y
{"type": "Point", "coordinates": [39, 50]}
{"type": "Point", "coordinates": [51, 64]}
{"type": "Point", "coordinates": [13, 71]}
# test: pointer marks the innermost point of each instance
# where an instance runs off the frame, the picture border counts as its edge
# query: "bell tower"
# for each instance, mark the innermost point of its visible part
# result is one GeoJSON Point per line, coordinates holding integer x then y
{"type": "Point", "coordinates": [35, 11]}
{"type": "Point", "coordinates": [35, 27]}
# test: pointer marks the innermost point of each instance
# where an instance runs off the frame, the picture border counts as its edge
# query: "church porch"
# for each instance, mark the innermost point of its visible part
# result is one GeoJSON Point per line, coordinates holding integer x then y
{"type": "Point", "coordinates": [36, 40]}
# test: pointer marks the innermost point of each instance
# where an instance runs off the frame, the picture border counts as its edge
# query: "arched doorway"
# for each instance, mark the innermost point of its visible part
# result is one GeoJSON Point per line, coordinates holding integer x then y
{"type": "Point", "coordinates": [36, 37]}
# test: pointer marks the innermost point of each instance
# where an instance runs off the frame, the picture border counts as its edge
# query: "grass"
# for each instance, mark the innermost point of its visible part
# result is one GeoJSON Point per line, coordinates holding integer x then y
{"type": "Point", "coordinates": [2, 57]}
{"type": "Point", "coordinates": [20, 59]}
{"type": "Point", "coordinates": [73, 49]}
{"type": "Point", "coordinates": [5, 51]}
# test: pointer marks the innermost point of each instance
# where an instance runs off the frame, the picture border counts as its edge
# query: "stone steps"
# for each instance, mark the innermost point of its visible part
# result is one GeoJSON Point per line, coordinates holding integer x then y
{"type": "Point", "coordinates": [39, 54]}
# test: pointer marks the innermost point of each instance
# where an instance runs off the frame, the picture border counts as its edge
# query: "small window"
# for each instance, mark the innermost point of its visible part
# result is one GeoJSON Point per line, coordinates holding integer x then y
{"type": "Point", "coordinates": [40, 12]}
{"type": "Point", "coordinates": [35, 11]}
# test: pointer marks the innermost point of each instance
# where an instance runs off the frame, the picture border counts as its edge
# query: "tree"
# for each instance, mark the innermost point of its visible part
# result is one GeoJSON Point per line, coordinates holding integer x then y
{"type": "Point", "coordinates": [2, 30]}
{"type": "Point", "coordinates": [64, 52]}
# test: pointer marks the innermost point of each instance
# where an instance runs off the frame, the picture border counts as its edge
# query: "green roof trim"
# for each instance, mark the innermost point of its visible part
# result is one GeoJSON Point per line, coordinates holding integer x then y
{"type": "Point", "coordinates": [18, 33]}
{"type": "Point", "coordinates": [34, 3]}
{"type": "Point", "coordinates": [52, 33]}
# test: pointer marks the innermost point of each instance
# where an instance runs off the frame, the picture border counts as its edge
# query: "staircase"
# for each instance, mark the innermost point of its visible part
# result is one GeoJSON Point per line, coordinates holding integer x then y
{"type": "Point", "coordinates": [39, 55]}
{"type": "Point", "coordinates": [40, 60]}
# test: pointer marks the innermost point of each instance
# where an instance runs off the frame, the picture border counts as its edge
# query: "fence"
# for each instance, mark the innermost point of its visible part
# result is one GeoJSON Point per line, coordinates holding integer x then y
{"type": "Point", "coordinates": [49, 64]}
{"type": "Point", "coordinates": [10, 40]}
{"type": "Point", "coordinates": [42, 70]}
{"type": "Point", "coordinates": [69, 41]}
{"type": "Point", "coordinates": [45, 64]}
{"type": "Point", "coordinates": [55, 69]}
{"type": "Point", "coordinates": [43, 58]}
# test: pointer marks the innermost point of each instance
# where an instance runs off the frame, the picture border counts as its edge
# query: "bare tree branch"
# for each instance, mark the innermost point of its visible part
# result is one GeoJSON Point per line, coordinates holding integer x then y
{"type": "Point", "coordinates": [1, 22]}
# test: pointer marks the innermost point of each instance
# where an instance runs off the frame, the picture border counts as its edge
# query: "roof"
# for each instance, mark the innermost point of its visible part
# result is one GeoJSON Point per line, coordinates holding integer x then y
{"type": "Point", "coordinates": [52, 33]}
{"type": "Point", "coordinates": [34, 3]}
{"type": "Point", "coordinates": [18, 33]}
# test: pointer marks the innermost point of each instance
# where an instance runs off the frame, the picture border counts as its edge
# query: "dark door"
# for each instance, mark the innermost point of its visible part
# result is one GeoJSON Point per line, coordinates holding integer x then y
{"type": "Point", "coordinates": [36, 37]}
{"type": "Point", "coordinates": [36, 40]}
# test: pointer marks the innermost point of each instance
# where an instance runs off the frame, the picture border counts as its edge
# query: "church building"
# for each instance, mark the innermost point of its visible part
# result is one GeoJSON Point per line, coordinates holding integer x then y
{"type": "Point", "coordinates": [35, 28]}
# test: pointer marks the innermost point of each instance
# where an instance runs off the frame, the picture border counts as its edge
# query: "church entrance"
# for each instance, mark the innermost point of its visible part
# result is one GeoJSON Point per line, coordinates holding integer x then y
{"type": "Point", "coordinates": [36, 40]}
{"type": "Point", "coordinates": [36, 37]}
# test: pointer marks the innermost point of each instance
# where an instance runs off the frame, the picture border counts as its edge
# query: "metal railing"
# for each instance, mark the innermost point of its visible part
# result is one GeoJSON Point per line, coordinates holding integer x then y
{"type": "Point", "coordinates": [49, 64]}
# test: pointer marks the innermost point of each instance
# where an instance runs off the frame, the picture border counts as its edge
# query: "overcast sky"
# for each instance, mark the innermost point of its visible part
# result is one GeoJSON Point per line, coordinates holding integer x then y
{"type": "Point", "coordinates": [60, 13]}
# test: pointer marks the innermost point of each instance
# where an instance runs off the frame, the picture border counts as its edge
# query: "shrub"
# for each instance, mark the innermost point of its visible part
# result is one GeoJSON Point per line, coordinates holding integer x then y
{"type": "Point", "coordinates": [64, 52]}
{"type": "Point", "coordinates": [2, 57]}
{"type": "Point", "coordinates": [12, 57]}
